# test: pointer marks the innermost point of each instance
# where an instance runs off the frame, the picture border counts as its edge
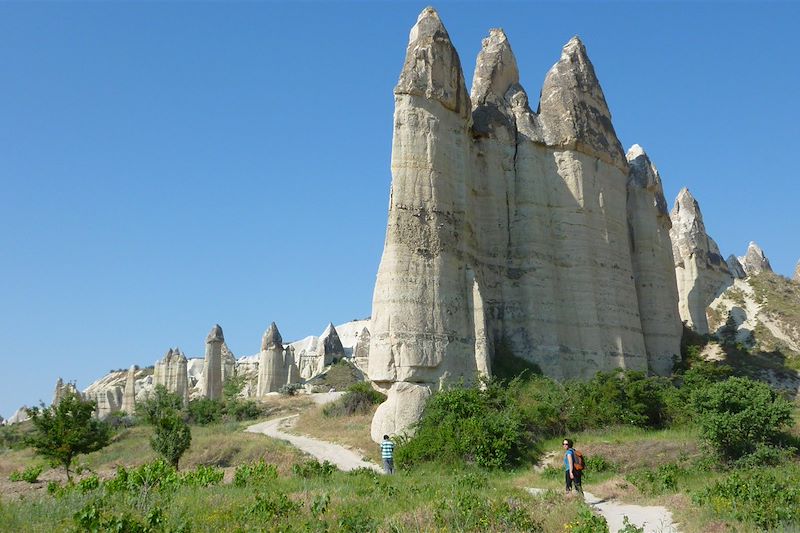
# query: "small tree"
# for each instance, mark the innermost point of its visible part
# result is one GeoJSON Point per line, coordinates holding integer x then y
{"type": "Point", "coordinates": [157, 403]}
{"type": "Point", "coordinates": [63, 431]}
{"type": "Point", "coordinates": [738, 414]}
{"type": "Point", "coordinates": [172, 437]}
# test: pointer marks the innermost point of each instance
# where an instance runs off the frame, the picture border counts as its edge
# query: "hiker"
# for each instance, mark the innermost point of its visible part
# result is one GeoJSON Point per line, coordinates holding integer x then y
{"type": "Point", "coordinates": [387, 454]}
{"type": "Point", "coordinates": [572, 476]}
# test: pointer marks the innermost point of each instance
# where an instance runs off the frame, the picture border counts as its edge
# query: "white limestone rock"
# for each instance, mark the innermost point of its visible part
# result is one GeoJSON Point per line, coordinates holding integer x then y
{"type": "Point", "coordinates": [754, 261]}
{"type": "Point", "coordinates": [653, 263]}
{"type": "Point", "coordinates": [796, 276]}
{"type": "Point", "coordinates": [735, 267]}
{"type": "Point", "coordinates": [402, 408]}
{"type": "Point", "coordinates": [171, 372]}
{"type": "Point", "coordinates": [228, 363]}
{"type": "Point", "coordinates": [211, 383]}
{"type": "Point", "coordinates": [316, 353]}
{"type": "Point", "coordinates": [701, 273]}
{"type": "Point", "coordinates": [361, 351]}
{"type": "Point", "coordinates": [276, 365]}
{"type": "Point", "coordinates": [62, 389]}
{"type": "Point", "coordinates": [129, 393]}
{"type": "Point", "coordinates": [21, 415]}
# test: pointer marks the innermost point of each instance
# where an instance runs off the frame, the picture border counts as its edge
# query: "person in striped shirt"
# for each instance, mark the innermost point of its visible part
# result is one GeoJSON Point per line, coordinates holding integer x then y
{"type": "Point", "coordinates": [387, 454]}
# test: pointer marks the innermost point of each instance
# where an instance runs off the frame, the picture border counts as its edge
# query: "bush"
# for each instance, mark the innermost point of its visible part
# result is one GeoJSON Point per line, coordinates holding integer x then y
{"type": "Point", "coordinates": [359, 399]}
{"type": "Point", "coordinates": [290, 389]}
{"type": "Point", "coordinates": [468, 425]}
{"type": "Point", "coordinates": [313, 468]}
{"type": "Point", "coordinates": [738, 414]}
{"type": "Point", "coordinates": [157, 403]}
{"type": "Point", "coordinates": [656, 481]}
{"type": "Point", "coordinates": [203, 476]}
{"type": "Point", "coordinates": [30, 474]}
{"type": "Point", "coordinates": [259, 473]}
{"type": "Point", "coordinates": [203, 411]}
{"type": "Point", "coordinates": [172, 437]}
{"type": "Point", "coordinates": [767, 498]}
{"type": "Point", "coordinates": [587, 522]}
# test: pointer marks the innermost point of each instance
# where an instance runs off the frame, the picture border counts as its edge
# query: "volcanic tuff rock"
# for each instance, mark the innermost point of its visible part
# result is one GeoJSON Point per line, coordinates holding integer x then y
{"type": "Point", "coordinates": [320, 353]}
{"type": "Point", "coordinates": [62, 389]}
{"type": "Point", "coordinates": [701, 272]}
{"type": "Point", "coordinates": [20, 416]}
{"type": "Point", "coordinates": [754, 261]}
{"type": "Point", "coordinates": [276, 366]}
{"type": "Point", "coordinates": [129, 393]}
{"type": "Point", "coordinates": [735, 267]}
{"type": "Point", "coordinates": [509, 227]}
{"type": "Point", "coordinates": [211, 381]}
{"type": "Point", "coordinates": [228, 363]}
{"type": "Point", "coordinates": [171, 372]}
{"type": "Point", "coordinates": [796, 276]}
{"type": "Point", "coordinates": [361, 351]}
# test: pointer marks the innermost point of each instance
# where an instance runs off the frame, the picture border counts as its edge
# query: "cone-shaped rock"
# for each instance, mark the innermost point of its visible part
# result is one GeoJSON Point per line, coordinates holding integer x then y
{"type": "Point", "coordinates": [211, 382]}
{"type": "Point", "coordinates": [573, 110]}
{"type": "Point", "coordinates": [228, 363]}
{"type": "Point", "coordinates": [702, 274]}
{"type": "Point", "coordinates": [171, 373]}
{"type": "Point", "coordinates": [735, 267]}
{"type": "Point", "coordinates": [129, 394]}
{"type": "Point", "coordinates": [275, 363]}
{"type": "Point", "coordinates": [332, 349]}
{"type": "Point", "coordinates": [653, 264]}
{"type": "Point", "coordinates": [754, 261]}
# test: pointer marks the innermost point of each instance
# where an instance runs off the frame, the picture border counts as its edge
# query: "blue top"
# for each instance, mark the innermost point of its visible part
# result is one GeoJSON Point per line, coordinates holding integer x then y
{"type": "Point", "coordinates": [566, 462]}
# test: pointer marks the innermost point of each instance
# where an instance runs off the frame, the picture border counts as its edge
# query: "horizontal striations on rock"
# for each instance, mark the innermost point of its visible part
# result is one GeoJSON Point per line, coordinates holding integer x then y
{"type": "Point", "coordinates": [171, 373]}
{"type": "Point", "coordinates": [653, 264]}
{"type": "Point", "coordinates": [702, 274]}
{"type": "Point", "coordinates": [754, 261]}
{"type": "Point", "coordinates": [508, 230]}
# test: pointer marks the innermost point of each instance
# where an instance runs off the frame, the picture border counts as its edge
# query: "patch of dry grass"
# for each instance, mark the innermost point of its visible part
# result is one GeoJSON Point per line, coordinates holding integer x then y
{"type": "Point", "coordinates": [349, 431]}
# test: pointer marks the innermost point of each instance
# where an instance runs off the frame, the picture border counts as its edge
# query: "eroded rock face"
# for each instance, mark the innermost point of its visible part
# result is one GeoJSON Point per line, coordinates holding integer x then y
{"type": "Point", "coordinates": [403, 406]}
{"type": "Point", "coordinates": [509, 227]}
{"type": "Point", "coordinates": [129, 393]}
{"type": "Point", "coordinates": [701, 272]}
{"type": "Point", "coordinates": [276, 366]}
{"type": "Point", "coordinates": [361, 352]}
{"type": "Point", "coordinates": [211, 381]}
{"type": "Point", "coordinates": [228, 363]}
{"type": "Point", "coordinates": [796, 276]}
{"type": "Point", "coordinates": [735, 267]}
{"type": "Point", "coordinates": [62, 389]}
{"type": "Point", "coordinates": [754, 261]}
{"type": "Point", "coordinates": [319, 353]}
{"type": "Point", "coordinates": [171, 372]}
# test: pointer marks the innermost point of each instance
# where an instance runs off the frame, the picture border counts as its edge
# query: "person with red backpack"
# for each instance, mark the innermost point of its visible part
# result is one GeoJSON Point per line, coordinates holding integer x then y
{"type": "Point", "coordinates": [573, 467]}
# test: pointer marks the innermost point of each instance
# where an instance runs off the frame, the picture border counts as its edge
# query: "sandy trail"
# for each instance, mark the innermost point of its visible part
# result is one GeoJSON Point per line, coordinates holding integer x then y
{"type": "Point", "coordinates": [653, 518]}
{"type": "Point", "coordinates": [343, 458]}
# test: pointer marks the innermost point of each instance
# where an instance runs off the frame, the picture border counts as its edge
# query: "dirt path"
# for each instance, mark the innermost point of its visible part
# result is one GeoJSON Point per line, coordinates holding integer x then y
{"type": "Point", "coordinates": [343, 458]}
{"type": "Point", "coordinates": [653, 518]}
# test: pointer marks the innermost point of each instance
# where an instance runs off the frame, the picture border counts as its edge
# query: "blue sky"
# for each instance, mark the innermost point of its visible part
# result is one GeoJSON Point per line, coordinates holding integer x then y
{"type": "Point", "coordinates": [169, 166]}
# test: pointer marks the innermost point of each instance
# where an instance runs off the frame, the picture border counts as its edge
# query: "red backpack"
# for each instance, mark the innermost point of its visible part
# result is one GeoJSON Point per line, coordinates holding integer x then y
{"type": "Point", "coordinates": [578, 461]}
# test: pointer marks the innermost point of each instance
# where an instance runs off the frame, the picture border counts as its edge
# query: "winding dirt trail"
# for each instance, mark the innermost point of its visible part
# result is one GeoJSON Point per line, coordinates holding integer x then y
{"type": "Point", "coordinates": [653, 518]}
{"type": "Point", "coordinates": [343, 458]}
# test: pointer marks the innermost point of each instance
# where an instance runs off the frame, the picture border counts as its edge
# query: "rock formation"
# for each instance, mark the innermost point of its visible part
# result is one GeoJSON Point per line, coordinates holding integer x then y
{"type": "Point", "coordinates": [171, 373]}
{"type": "Point", "coordinates": [361, 351]}
{"type": "Point", "coordinates": [319, 353]}
{"type": "Point", "coordinates": [508, 229]}
{"type": "Point", "coordinates": [701, 272]}
{"type": "Point", "coordinates": [228, 363]}
{"type": "Point", "coordinates": [653, 263]}
{"type": "Point", "coordinates": [735, 267]}
{"type": "Point", "coordinates": [109, 400]}
{"type": "Point", "coordinates": [211, 384]}
{"type": "Point", "coordinates": [62, 389]}
{"type": "Point", "coordinates": [796, 276]}
{"type": "Point", "coordinates": [129, 393]}
{"type": "Point", "coordinates": [276, 366]}
{"type": "Point", "coordinates": [754, 261]}
{"type": "Point", "coordinates": [21, 415]}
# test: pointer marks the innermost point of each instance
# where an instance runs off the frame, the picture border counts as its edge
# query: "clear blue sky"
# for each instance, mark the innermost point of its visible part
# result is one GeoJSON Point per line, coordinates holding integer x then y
{"type": "Point", "coordinates": [168, 166]}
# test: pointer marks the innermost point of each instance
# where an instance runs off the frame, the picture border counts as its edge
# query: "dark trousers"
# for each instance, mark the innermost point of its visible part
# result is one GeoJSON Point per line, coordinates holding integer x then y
{"type": "Point", "coordinates": [570, 482]}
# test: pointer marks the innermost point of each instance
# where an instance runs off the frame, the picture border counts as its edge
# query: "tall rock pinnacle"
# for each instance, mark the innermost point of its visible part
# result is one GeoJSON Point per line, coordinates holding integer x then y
{"type": "Point", "coordinates": [495, 70]}
{"type": "Point", "coordinates": [211, 384]}
{"type": "Point", "coordinates": [754, 261]}
{"type": "Point", "coordinates": [129, 394]}
{"type": "Point", "coordinates": [653, 264]}
{"type": "Point", "coordinates": [702, 274]}
{"type": "Point", "coordinates": [796, 276]}
{"type": "Point", "coordinates": [272, 338]}
{"type": "Point", "coordinates": [276, 366]}
{"type": "Point", "coordinates": [573, 110]}
{"type": "Point", "coordinates": [171, 372]}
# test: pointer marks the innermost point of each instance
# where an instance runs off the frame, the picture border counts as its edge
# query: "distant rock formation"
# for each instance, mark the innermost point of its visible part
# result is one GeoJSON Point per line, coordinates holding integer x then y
{"type": "Point", "coordinates": [129, 394]}
{"type": "Point", "coordinates": [796, 276]}
{"type": "Point", "coordinates": [171, 373]}
{"type": "Point", "coordinates": [735, 267]}
{"type": "Point", "coordinates": [701, 272]}
{"type": "Point", "coordinates": [211, 385]}
{"type": "Point", "coordinates": [508, 229]}
{"type": "Point", "coordinates": [62, 389]}
{"type": "Point", "coordinates": [754, 261]}
{"type": "Point", "coordinates": [361, 351]}
{"type": "Point", "coordinates": [228, 363]}
{"type": "Point", "coordinates": [276, 366]}
{"type": "Point", "coordinates": [21, 415]}
{"type": "Point", "coordinates": [320, 353]}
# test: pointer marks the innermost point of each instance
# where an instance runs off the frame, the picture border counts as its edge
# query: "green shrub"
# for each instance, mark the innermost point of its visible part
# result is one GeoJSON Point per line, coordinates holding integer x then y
{"type": "Point", "coordinates": [359, 399]}
{"type": "Point", "coordinates": [656, 481]}
{"type": "Point", "coordinates": [30, 474]}
{"type": "Point", "coordinates": [468, 425]}
{"type": "Point", "coordinates": [172, 437]}
{"type": "Point", "coordinates": [272, 505]}
{"type": "Point", "coordinates": [239, 410]}
{"type": "Point", "coordinates": [203, 476]}
{"type": "Point", "coordinates": [544, 405]}
{"type": "Point", "coordinates": [598, 463]}
{"type": "Point", "coordinates": [203, 411]}
{"type": "Point", "coordinates": [259, 473]}
{"type": "Point", "coordinates": [738, 414]}
{"type": "Point", "coordinates": [157, 403]}
{"type": "Point", "coordinates": [290, 389]}
{"type": "Point", "coordinates": [88, 484]}
{"type": "Point", "coordinates": [767, 498]}
{"type": "Point", "coordinates": [587, 522]}
{"type": "Point", "coordinates": [314, 468]}
{"type": "Point", "coordinates": [466, 509]}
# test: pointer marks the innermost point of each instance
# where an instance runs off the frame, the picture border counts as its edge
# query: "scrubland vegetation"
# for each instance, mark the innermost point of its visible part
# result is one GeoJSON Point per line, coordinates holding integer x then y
{"type": "Point", "coordinates": [719, 450]}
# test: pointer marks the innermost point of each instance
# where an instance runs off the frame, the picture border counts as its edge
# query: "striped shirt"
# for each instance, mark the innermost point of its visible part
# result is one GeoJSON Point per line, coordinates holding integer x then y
{"type": "Point", "coordinates": [387, 449]}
